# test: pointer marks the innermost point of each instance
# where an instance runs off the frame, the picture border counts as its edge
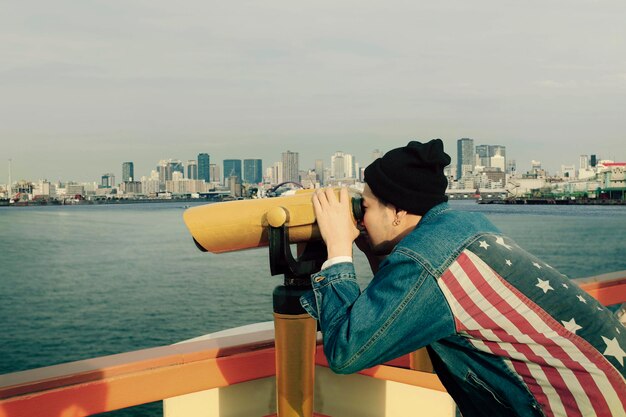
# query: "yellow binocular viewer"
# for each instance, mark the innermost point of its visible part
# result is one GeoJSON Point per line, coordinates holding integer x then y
{"type": "Point", "coordinates": [244, 224]}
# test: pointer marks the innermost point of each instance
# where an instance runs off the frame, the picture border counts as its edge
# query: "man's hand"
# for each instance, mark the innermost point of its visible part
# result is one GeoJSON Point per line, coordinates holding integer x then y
{"type": "Point", "coordinates": [335, 222]}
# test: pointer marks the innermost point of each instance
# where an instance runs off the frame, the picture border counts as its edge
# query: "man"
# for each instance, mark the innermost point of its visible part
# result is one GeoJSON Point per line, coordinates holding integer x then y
{"type": "Point", "coordinates": [507, 334]}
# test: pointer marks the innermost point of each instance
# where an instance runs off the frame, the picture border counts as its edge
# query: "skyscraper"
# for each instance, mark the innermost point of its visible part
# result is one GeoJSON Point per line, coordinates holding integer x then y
{"type": "Point", "coordinates": [176, 166]}
{"type": "Point", "coordinates": [483, 155]}
{"type": "Point", "coordinates": [192, 169]}
{"type": "Point", "coordinates": [465, 157]}
{"type": "Point", "coordinates": [232, 167]}
{"type": "Point", "coordinates": [165, 171]}
{"type": "Point", "coordinates": [252, 171]}
{"type": "Point", "coordinates": [128, 171]}
{"type": "Point", "coordinates": [214, 171]}
{"type": "Point", "coordinates": [290, 166]}
{"type": "Point", "coordinates": [319, 171]}
{"type": "Point", "coordinates": [338, 165]}
{"type": "Point", "coordinates": [584, 162]}
{"type": "Point", "coordinates": [203, 167]}
{"type": "Point", "coordinates": [108, 181]}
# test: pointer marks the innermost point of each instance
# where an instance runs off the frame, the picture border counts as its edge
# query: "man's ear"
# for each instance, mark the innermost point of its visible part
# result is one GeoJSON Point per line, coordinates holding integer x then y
{"type": "Point", "coordinates": [400, 214]}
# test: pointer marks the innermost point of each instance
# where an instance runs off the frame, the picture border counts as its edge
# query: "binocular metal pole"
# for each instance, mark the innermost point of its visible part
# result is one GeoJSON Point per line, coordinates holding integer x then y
{"type": "Point", "coordinates": [295, 330]}
{"type": "Point", "coordinates": [295, 339]}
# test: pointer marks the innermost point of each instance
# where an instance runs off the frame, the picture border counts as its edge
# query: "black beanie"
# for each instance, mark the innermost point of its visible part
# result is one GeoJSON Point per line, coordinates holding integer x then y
{"type": "Point", "coordinates": [411, 178]}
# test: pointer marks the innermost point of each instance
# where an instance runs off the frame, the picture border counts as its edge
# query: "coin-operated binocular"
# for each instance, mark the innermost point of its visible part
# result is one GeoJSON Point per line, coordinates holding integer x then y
{"type": "Point", "coordinates": [274, 222]}
{"type": "Point", "coordinates": [277, 223]}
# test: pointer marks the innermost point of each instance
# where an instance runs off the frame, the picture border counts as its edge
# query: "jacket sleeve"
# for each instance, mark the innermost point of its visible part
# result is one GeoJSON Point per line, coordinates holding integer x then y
{"type": "Point", "coordinates": [401, 310]}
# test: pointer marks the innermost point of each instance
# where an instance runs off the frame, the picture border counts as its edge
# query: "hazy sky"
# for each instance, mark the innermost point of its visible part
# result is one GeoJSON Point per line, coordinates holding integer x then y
{"type": "Point", "coordinates": [86, 85]}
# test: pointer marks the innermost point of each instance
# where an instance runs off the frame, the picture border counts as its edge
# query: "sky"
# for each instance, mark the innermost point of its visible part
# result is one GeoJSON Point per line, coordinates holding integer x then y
{"type": "Point", "coordinates": [86, 85]}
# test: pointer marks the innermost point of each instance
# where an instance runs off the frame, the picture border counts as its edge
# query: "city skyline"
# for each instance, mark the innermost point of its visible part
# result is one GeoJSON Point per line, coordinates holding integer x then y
{"type": "Point", "coordinates": [86, 86]}
{"type": "Point", "coordinates": [145, 167]}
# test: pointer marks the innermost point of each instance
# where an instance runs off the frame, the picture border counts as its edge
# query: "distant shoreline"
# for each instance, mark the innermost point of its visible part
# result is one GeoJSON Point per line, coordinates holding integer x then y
{"type": "Point", "coordinates": [56, 203]}
{"type": "Point", "coordinates": [554, 201]}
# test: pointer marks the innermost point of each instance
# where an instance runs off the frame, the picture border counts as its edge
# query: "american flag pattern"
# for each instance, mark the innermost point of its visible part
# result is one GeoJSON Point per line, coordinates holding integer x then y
{"type": "Point", "coordinates": [566, 347]}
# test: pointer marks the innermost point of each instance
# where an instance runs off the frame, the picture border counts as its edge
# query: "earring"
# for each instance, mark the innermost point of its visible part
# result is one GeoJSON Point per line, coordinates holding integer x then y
{"type": "Point", "coordinates": [396, 222]}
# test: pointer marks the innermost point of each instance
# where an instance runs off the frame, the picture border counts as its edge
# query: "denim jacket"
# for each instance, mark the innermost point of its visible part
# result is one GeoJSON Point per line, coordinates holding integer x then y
{"type": "Point", "coordinates": [507, 334]}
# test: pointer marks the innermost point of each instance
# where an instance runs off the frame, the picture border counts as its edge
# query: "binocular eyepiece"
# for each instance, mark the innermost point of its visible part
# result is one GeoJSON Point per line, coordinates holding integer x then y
{"type": "Point", "coordinates": [244, 224]}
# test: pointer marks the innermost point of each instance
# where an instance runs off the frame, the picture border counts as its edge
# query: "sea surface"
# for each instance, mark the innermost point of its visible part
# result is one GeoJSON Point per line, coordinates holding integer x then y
{"type": "Point", "coordinates": [83, 281]}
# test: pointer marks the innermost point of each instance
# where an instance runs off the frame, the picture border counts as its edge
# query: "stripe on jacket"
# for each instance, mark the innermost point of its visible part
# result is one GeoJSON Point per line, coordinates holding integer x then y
{"type": "Point", "coordinates": [565, 374]}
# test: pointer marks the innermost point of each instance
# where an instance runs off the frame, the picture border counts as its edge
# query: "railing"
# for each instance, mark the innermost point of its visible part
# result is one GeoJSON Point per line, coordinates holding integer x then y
{"type": "Point", "coordinates": [118, 381]}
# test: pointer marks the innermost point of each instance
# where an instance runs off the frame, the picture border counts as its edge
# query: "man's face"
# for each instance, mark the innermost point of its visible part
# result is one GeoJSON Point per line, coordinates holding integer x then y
{"type": "Point", "coordinates": [378, 219]}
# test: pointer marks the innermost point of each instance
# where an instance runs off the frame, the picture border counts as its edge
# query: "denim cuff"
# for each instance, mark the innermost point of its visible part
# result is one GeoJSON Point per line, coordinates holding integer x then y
{"type": "Point", "coordinates": [319, 280]}
{"type": "Point", "coordinates": [307, 301]}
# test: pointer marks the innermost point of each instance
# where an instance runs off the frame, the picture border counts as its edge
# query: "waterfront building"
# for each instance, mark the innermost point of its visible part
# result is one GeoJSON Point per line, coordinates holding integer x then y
{"type": "Point", "coordinates": [73, 189]}
{"type": "Point", "coordinates": [176, 166]}
{"type": "Point", "coordinates": [128, 171]}
{"type": "Point", "coordinates": [319, 171]}
{"type": "Point", "coordinates": [342, 165]}
{"type": "Point", "coordinates": [483, 157]}
{"type": "Point", "coordinates": [131, 187]}
{"type": "Point", "coordinates": [290, 166]}
{"type": "Point", "coordinates": [192, 169]}
{"type": "Point", "coordinates": [165, 171]}
{"type": "Point", "coordinates": [234, 185]}
{"type": "Point", "coordinates": [276, 176]}
{"type": "Point", "coordinates": [491, 177]}
{"type": "Point", "coordinates": [204, 168]}
{"type": "Point", "coordinates": [181, 185]}
{"type": "Point", "coordinates": [498, 161]}
{"type": "Point", "coordinates": [42, 189]}
{"type": "Point", "coordinates": [252, 171]}
{"type": "Point", "coordinates": [511, 167]}
{"type": "Point", "coordinates": [150, 186]}
{"type": "Point", "coordinates": [214, 173]}
{"type": "Point", "coordinates": [308, 179]}
{"type": "Point", "coordinates": [107, 180]}
{"type": "Point", "coordinates": [583, 162]}
{"type": "Point", "coordinates": [568, 171]}
{"type": "Point", "coordinates": [465, 157]}
{"type": "Point", "coordinates": [337, 166]}
{"type": "Point", "coordinates": [614, 176]}
{"type": "Point", "coordinates": [232, 167]}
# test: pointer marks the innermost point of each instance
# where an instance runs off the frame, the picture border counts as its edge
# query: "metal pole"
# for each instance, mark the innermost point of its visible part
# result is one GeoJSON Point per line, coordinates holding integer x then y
{"type": "Point", "coordinates": [295, 340]}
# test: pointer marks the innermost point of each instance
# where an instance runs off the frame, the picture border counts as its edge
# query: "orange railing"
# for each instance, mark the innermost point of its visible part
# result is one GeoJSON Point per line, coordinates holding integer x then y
{"type": "Point", "coordinates": [118, 381]}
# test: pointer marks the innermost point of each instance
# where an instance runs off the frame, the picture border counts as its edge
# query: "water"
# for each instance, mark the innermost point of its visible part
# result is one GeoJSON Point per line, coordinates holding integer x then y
{"type": "Point", "coordinates": [84, 281]}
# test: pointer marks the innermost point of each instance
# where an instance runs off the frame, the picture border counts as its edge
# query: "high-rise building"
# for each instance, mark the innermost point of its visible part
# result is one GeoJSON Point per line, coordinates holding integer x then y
{"type": "Point", "coordinates": [290, 166]}
{"type": "Point", "coordinates": [192, 169]}
{"type": "Point", "coordinates": [593, 161]}
{"type": "Point", "coordinates": [376, 153]}
{"type": "Point", "coordinates": [338, 165]}
{"type": "Point", "coordinates": [214, 172]}
{"type": "Point", "coordinates": [176, 166]}
{"type": "Point", "coordinates": [483, 155]}
{"type": "Point", "coordinates": [584, 162]}
{"type": "Point", "coordinates": [232, 167]}
{"type": "Point", "coordinates": [277, 173]}
{"type": "Point", "coordinates": [319, 171]}
{"type": "Point", "coordinates": [511, 166]}
{"type": "Point", "coordinates": [465, 157]}
{"type": "Point", "coordinates": [128, 171]}
{"type": "Point", "coordinates": [167, 167]}
{"type": "Point", "coordinates": [107, 181]}
{"type": "Point", "coordinates": [498, 161]}
{"type": "Point", "coordinates": [252, 171]}
{"type": "Point", "coordinates": [164, 170]}
{"type": "Point", "coordinates": [203, 167]}
{"type": "Point", "coordinates": [342, 165]}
